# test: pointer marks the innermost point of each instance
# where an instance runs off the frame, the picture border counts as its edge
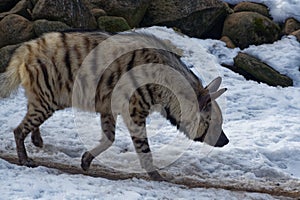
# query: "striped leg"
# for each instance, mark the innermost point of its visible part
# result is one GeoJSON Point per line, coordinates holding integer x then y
{"type": "Point", "coordinates": [35, 116]}
{"type": "Point", "coordinates": [36, 138]}
{"type": "Point", "coordinates": [139, 138]}
{"type": "Point", "coordinates": [108, 124]}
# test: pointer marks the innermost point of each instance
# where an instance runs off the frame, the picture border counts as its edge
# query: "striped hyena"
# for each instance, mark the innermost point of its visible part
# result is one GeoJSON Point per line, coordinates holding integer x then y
{"type": "Point", "coordinates": [127, 74]}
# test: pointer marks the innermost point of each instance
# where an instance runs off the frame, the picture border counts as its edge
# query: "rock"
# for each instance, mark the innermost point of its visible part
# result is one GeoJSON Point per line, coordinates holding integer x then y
{"type": "Point", "coordinates": [44, 26]}
{"type": "Point", "coordinates": [296, 34]}
{"type": "Point", "coordinates": [246, 28]}
{"type": "Point", "coordinates": [113, 24]}
{"type": "Point", "coordinates": [290, 26]}
{"type": "Point", "coordinates": [132, 10]}
{"type": "Point", "coordinates": [22, 8]}
{"type": "Point", "coordinates": [72, 12]}
{"type": "Point", "coordinates": [196, 18]}
{"type": "Point", "coordinates": [15, 29]}
{"type": "Point", "coordinates": [98, 12]}
{"type": "Point", "coordinates": [254, 69]}
{"type": "Point", "coordinates": [5, 55]}
{"type": "Point", "coordinates": [6, 5]}
{"type": "Point", "coordinates": [228, 42]}
{"type": "Point", "coordinates": [253, 7]}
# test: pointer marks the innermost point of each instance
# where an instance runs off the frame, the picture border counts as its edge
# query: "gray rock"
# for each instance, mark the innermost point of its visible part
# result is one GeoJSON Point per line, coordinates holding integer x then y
{"type": "Point", "coordinates": [246, 28]}
{"type": "Point", "coordinates": [113, 24]}
{"type": "Point", "coordinates": [5, 55]}
{"type": "Point", "coordinates": [290, 26]}
{"type": "Point", "coordinates": [72, 12]}
{"type": "Point", "coordinates": [15, 29]}
{"type": "Point", "coordinates": [296, 34]}
{"type": "Point", "coordinates": [132, 10]}
{"type": "Point", "coordinates": [98, 12]}
{"type": "Point", "coordinates": [44, 26]}
{"type": "Point", "coordinates": [253, 7]}
{"type": "Point", "coordinates": [254, 69]}
{"type": "Point", "coordinates": [196, 18]}
{"type": "Point", "coordinates": [21, 8]}
{"type": "Point", "coordinates": [228, 42]}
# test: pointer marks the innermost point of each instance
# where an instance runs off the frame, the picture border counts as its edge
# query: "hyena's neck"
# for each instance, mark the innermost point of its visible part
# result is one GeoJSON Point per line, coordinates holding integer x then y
{"type": "Point", "coordinates": [170, 107]}
{"type": "Point", "coordinates": [184, 120]}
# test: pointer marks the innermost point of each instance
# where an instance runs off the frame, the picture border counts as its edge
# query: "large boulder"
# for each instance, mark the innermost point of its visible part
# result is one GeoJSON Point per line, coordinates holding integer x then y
{"type": "Point", "coordinates": [254, 69]}
{"type": "Point", "coordinates": [196, 18]}
{"type": "Point", "coordinates": [113, 24]}
{"type": "Point", "coordinates": [22, 8]}
{"type": "Point", "coordinates": [42, 26]}
{"type": "Point", "coordinates": [15, 29]}
{"type": "Point", "coordinates": [132, 10]}
{"type": "Point", "coordinates": [72, 12]}
{"type": "Point", "coordinates": [5, 55]}
{"type": "Point", "coordinates": [246, 28]}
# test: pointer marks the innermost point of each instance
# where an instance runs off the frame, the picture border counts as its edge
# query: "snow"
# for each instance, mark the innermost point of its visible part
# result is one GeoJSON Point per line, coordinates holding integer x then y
{"type": "Point", "coordinates": [262, 123]}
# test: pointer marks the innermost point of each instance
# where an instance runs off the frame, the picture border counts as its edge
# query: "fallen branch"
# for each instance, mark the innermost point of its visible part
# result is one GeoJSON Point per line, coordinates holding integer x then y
{"type": "Point", "coordinates": [290, 188]}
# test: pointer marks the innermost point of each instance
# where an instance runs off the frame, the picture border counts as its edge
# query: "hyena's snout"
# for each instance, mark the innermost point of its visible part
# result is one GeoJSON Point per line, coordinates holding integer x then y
{"type": "Point", "coordinates": [222, 140]}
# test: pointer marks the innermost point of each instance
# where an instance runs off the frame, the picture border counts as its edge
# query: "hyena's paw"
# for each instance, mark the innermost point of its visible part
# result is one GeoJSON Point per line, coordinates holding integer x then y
{"type": "Point", "coordinates": [36, 138]}
{"type": "Point", "coordinates": [28, 162]}
{"type": "Point", "coordinates": [86, 160]}
{"type": "Point", "coordinates": [155, 176]}
{"type": "Point", "coordinates": [37, 141]}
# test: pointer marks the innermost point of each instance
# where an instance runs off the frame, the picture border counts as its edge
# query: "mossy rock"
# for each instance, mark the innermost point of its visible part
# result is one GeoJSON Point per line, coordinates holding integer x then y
{"type": "Point", "coordinates": [15, 29]}
{"type": "Point", "coordinates": [44, 26]}
{"type": "Point", "coordinates": [113, 24]}
{"type": "Point", "coordinates": [250, 28]}
{"type": "Point", "coordinates": [254, 69]}
{"type": "Point", "coordinates": [131, 10]}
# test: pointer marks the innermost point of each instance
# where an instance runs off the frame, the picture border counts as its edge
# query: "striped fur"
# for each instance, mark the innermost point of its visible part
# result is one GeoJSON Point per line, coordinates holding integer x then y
{"type": "Point", "coordinates": [60, 70]}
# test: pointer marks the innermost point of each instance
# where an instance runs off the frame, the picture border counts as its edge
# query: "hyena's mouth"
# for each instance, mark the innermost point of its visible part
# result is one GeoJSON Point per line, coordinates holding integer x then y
{"type": "Point", "coordinates": [222, 141]}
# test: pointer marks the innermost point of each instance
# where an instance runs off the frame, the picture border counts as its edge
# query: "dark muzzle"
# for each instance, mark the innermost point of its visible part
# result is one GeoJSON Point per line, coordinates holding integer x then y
{"type": "Point", "coordinates": [222, 141]}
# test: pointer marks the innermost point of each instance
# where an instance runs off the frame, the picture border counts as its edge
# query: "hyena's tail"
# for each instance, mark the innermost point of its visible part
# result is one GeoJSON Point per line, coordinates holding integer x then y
{"type": "Point", "coordinates": [10, 79]}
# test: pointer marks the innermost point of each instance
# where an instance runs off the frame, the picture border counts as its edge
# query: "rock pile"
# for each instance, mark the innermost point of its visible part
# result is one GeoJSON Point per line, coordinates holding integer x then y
{"type": "Point", "coordinates": [238, 25]}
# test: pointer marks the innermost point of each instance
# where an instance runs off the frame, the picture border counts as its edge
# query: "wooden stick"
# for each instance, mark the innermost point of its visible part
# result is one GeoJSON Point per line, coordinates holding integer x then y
{"type": "Point", "coordinates": [290, 188]}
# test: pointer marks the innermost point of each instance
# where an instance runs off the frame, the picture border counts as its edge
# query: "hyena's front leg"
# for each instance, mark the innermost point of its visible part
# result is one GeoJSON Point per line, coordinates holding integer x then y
{"type": "Point", "coordinates": [108, 125]}
{"type": "Point", "coordinates": [139, 138]}
{"type": "Point", "coordinates": [35, 116]}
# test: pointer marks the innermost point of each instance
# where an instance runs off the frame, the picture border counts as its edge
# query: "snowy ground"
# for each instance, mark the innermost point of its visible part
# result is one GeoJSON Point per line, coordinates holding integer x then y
{"type": "Point", "coordinates": [262, 123]}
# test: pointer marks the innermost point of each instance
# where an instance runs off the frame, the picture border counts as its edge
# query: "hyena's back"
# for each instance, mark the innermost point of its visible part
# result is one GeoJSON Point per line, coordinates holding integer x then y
{"type": "Point", "coordinates": [47, 66]}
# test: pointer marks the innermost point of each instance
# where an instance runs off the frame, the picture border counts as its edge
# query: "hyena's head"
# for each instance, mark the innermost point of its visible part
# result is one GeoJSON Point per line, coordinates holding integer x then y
{"type": "Point", "coordinates": [210, 126]}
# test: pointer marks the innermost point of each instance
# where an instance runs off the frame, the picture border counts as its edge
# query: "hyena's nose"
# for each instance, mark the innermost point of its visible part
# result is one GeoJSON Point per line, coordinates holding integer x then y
{"type": "Point", "coordinates": [222, 141]}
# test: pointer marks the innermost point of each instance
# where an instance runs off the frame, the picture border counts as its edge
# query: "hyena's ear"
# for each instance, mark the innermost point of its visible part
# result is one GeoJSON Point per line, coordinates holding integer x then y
{"type": "Point", "coordinates": [212, 94]}
{"type": "Point", "coordinates": [206, 99]}
{"type": "Point", "coordinates": [215, 95]}
{"type": "Point", "coordinates": [214, 85]}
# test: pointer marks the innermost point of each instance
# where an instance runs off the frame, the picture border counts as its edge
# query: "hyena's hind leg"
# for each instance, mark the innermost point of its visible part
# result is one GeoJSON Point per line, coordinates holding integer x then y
{"type": "Point", "coordinates": [36, 138]}
{"type": "Point", "coordinates": [34, 117]}
{"type": "Point", "coordinates": [108, 125]}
